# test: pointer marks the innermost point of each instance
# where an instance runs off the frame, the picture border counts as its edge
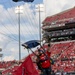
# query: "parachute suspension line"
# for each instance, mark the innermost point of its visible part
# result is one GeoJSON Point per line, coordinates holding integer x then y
{"type": "Point", "coordinates": [7, 26]}
{"type": "Point", "coordinates": [13, 21]}
{"type": "Point", "coordinates": [34, 16]}
{"type": "Point", "coordinates": [39, 25]}
{"type": "Point", "coordinates": [4, 27]}
{"type": "Point", "coordinates": [16, 18]}
{"type": "Point", "coordinates": [24, 19]}
{"type": "Point", "coordinates": [8, 36]}
{"type": "Point", "coordinates": [27, 15]}
{"type": "Point", "coordinates": [29, 19]}
{"type": "Point", "coordinates": [26, 29]}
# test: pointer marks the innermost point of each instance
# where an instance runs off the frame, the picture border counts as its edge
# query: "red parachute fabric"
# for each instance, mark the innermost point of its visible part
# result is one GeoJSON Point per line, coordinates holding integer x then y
{"type": "Point", "coordinates": [26, 68]}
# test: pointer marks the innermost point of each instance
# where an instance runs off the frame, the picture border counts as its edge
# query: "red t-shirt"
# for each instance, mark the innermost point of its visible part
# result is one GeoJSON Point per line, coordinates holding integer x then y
{"type": "Point", "coordinates": [46, 63]}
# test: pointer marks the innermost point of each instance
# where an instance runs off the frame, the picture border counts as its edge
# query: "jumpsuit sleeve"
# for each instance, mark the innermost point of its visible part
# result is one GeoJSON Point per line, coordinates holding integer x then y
{"type": "Point", "coordinates": [49, 53]}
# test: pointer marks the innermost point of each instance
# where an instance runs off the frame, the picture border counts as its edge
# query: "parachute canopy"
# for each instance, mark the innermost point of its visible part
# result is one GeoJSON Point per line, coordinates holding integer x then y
{"type": "Point", "coordinates": [23, 0]}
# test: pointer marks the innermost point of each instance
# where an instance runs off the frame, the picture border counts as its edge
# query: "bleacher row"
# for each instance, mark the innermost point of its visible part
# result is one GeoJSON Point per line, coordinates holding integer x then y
{"type": "Point", "coordinates": [6, 64]}
{"type": "Point", "coordinates": [10, 70]}
{"type": "Point", "coordinates": [8, 67]}
{"type": "Point", "coordinates": [64, 56]}
{"type": "Point", "coordinates": [60, 18]}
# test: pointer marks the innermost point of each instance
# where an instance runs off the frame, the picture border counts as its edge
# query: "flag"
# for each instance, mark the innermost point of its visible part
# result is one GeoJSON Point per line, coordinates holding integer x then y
{"type": "Point", "coordinates": [26, 68]}
{"type": "Point", "coordinates": [31, 44]}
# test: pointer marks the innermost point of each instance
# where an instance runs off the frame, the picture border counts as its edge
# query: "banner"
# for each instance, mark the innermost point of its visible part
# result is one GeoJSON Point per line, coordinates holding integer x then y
{"type": "Point", "coordinates": [26, 68]}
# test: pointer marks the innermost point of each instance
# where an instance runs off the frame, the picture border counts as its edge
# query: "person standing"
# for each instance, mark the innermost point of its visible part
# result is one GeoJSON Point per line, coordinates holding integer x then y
{"type": "Point", "coordinates": [44, 61]}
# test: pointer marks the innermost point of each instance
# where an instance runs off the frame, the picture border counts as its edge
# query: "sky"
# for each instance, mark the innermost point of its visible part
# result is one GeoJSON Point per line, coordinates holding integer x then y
{"type": "Point", "coordinates": [29, 22]}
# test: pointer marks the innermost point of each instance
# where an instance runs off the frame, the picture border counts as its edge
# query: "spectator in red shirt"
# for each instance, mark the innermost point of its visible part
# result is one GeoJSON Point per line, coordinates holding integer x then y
{"type": "Point", "coordinates": [44, 61]}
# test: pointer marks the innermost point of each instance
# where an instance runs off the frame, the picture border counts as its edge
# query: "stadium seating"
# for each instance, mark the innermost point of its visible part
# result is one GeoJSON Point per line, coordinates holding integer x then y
{"type": "Point", "coordinates": [64, 56]}
{"type": "Point", "coordinates": [62, 17]}
{"type": "Point", "coordinates": [8, 67]}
